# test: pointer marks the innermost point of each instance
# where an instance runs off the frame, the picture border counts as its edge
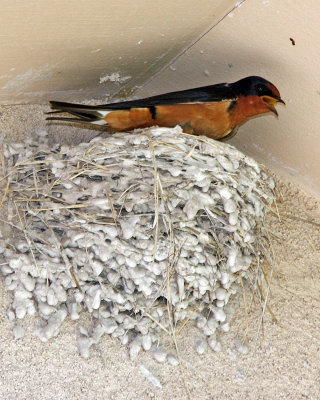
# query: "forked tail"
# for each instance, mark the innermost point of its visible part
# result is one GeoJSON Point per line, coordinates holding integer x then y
{"type": "Point", "coordinates": [85, 114]}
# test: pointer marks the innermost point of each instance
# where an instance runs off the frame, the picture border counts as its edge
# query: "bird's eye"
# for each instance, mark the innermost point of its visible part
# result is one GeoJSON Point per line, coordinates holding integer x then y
{"type": "Point", "coordinates": [260, 88]}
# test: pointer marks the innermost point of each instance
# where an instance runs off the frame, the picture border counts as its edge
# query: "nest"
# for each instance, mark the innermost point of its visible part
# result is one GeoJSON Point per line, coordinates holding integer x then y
{"type": "Point", "coordinates": [147, 231]}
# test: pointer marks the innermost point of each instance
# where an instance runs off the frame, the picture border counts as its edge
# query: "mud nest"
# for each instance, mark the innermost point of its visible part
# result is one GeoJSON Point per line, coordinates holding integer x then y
{"type": "Point", "coordinates": [147, 231]}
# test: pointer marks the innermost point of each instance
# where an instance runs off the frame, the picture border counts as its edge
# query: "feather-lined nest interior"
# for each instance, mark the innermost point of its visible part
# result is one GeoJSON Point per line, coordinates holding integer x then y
{"type": "Point", "coordinates": [147, 231]}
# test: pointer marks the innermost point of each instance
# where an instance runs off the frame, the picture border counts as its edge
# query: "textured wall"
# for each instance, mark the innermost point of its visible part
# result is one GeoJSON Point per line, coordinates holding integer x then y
{"type": "Point", "coordinates": [80, 49]}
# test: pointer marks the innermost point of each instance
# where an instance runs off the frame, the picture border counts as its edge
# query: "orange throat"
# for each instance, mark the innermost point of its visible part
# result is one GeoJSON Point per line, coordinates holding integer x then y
{"type": "Point", "coordinates": [248, 107]}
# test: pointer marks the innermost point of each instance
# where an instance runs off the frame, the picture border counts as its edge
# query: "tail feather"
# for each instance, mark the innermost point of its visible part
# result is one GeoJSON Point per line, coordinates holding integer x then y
{"type": "Point", "coordinates": [86, 114]}
{"type": "Point", "coordinates": [65, 119]}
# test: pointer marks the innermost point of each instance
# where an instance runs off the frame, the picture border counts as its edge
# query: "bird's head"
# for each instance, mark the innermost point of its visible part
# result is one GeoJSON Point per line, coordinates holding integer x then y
{"type": "Point", "coordinates": [257, 86]}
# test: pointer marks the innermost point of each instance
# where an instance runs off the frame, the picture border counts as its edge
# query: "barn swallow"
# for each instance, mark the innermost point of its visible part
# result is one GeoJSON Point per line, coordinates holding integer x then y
{"type": "Point", "coordinates": [215, 111]}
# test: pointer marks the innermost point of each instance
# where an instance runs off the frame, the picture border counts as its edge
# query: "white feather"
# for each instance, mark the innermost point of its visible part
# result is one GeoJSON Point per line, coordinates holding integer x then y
{"type": "Point", "coordinates": [103, 113]}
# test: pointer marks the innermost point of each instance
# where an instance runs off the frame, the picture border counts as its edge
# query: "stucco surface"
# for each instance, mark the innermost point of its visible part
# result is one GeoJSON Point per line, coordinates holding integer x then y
{"type": "Point", "coordinates": [76, 50]}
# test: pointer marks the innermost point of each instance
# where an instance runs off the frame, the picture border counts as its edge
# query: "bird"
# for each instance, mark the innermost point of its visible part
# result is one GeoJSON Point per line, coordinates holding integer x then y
{"type": "Point", "coordinates": [215, 111]}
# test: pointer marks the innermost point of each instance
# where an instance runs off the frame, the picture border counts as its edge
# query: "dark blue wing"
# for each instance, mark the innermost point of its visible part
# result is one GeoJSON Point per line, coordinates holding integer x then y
{"type": "Point", "coordinates": [212, 93]}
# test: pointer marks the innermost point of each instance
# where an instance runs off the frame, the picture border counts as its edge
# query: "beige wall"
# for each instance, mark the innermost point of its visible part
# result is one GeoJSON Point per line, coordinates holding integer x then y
{"type": "Point", "coordinates": [76, 50]}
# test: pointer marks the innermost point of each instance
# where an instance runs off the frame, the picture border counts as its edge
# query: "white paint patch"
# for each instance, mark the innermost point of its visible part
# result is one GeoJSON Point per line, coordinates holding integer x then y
{"type": "Point", "coordinates": [114, 77]}
{"type": "Point", "coordinates": [237, 5]}
{"type": "Point", "coordinates": [95, 51]}
{"type": "Point", "coordinates": [19, 80]}
{"type": "Point", "coordinates": [22, 81]}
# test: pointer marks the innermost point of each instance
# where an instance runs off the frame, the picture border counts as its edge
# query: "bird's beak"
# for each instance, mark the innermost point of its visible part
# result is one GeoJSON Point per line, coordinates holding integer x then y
{"type": "Point", "coordinates": [271, 102]}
